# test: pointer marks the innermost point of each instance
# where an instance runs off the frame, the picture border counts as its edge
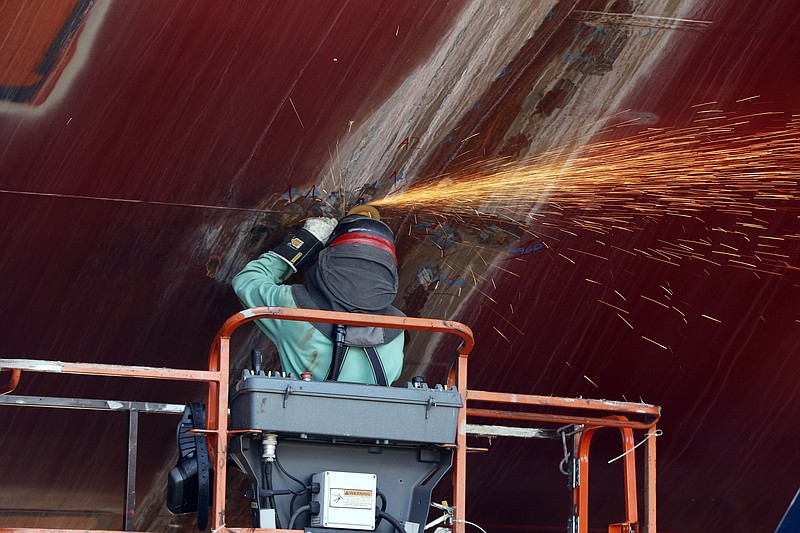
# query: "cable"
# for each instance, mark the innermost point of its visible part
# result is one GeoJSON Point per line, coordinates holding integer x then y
{"type": "Point", "coordinates": [563, 466]}
{"type": "Point", "coordinates": [382, 509]}
{"type": "Point", "coordinates": [383, 500]}
{"type": "Point", "coordinates": [276, 492]}
{"type": "Point", "coordinates": [271, 497]}
{"type": "Point", "coordinates": [392, 520]}
{"type": "Point", "coordinates": [287, 474]}
{"type": "Point", "coordinates": [294, 493]}
{"type": "Point", "coordinates": [133, 201]}
{"type": "Point", "coordinates": [300, 511]}
{"type": "Point", "coordinates": [471, 523]}
{"type": "Point", "coordinates": [657, 433]}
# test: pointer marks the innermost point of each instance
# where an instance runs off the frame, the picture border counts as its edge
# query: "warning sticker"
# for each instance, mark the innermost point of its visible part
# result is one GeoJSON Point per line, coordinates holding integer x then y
{"type": "Point", "coordinates": [352, 498]}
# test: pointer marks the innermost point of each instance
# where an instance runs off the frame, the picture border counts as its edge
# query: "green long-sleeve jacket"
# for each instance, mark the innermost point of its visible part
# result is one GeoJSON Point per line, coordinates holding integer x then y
{"type": "Point", "coordinates": [303, 348]}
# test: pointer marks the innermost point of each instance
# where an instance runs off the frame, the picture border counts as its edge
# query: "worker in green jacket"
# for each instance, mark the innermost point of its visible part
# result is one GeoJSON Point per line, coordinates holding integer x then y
{"type": "Point", "coordinates": [355, 273]}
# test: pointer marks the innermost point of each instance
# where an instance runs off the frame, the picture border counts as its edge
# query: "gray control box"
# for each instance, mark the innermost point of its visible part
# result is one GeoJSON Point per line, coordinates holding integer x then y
{"type": "Point", "coordinates": [346, 411]}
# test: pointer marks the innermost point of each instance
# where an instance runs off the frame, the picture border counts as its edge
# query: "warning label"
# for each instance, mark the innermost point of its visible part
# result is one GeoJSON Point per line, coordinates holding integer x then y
{"type": "Point", "coordinates": [352, 498]}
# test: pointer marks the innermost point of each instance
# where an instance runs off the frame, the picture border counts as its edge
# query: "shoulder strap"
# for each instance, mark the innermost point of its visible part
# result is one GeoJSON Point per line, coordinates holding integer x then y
{"type": "Point", "coordinates": [377, 367]}
{"type": "Point", "coordinates": [374, 360]}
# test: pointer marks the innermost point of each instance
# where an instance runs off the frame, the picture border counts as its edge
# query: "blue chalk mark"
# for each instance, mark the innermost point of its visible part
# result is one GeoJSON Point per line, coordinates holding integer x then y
{"type": "Point", "coordinates": [650, 32]}
{"type": "Point", "coordinates": [578, 57]}
{"type": "Point", "coordinates": [453, 281]}
{"type": "Point", "coordinates": [449, 139]}
{"type": "Point", "coordinates": [578, 31]}
{"type": "Point", "coordinates": [527, 248]}
{"type": "Point", "coordinates": [551, 14]}
{"type": "Point", "coordinates": [505, 71]}
{"type": "Point", "coordinates": [393, 179]}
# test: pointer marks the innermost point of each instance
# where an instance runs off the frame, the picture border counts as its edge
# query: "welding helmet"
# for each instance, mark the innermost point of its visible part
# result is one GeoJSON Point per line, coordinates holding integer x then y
{"type": "Point", "coordinates": [358, 229]}
{"type": "Point", "coordinates": [355, 273]}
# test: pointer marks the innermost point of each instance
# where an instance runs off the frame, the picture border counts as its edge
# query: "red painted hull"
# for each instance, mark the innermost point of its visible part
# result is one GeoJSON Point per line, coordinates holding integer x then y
{"type": "Point", "coordinates": [203, 103]}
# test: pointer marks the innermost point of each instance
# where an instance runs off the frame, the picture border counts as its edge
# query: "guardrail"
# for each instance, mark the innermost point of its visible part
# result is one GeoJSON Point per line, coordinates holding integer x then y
{"type": "Point", "coordinates": [217, 375]}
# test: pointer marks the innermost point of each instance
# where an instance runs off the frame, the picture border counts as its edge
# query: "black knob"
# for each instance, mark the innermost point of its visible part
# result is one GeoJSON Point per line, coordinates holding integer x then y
{"type": "Point", "coordinates": [417, 381]}
{"type": "Point", "coordinates": [255, 360]}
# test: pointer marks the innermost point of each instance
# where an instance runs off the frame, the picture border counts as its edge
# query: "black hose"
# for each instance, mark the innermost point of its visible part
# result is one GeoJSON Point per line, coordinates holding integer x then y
{"type": "Point", "coordinates": [338, 353]}
{"type": "Point", "coordinates": [382, 509]}
{"type": "Point", "coordinates": [277, 492]}
{"type": "Point", "coordinates": [383, 500]}
{"type": "Point", "coordinates": [271, 497]}
{"type": "Point", "coordinates": [392, 520]}
{"type": "Point", "coordinates": [287, 474]}
{"type": "Point", "coordinates": [300, 511]}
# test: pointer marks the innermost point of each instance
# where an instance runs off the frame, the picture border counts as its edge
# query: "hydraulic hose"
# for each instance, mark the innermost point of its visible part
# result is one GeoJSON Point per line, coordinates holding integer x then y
{"type": "Point", "coordinates": [392, 520]}
{"type": "Point", "coordinates": [271, 496]}
{"type": "Point", "coordinates": [382, 496]}
{"type": "Point", "coordinates": [338, 352]}
{"type": "Point", "coordinates": [297, 513]}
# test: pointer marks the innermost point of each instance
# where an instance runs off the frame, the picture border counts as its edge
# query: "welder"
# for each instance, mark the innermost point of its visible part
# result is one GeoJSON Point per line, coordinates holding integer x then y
{"type": "Point", "coordinates": [355, 273]}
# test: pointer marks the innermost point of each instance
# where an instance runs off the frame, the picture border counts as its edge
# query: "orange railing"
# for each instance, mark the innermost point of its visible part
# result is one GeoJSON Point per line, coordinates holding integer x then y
{"type": "Point", "coordinates": [217, 377]}
{"type": "Point", "coordinates": [217, 400]}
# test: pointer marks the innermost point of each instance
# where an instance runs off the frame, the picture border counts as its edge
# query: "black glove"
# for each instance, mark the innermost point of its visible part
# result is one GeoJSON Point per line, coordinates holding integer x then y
{"type": "Point", "coordinates": [304, 245]}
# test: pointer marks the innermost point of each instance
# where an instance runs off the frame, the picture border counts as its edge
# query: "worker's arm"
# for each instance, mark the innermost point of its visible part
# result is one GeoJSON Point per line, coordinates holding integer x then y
{"type": "Point", "coordinates": [259, 283]}
{"type": "Point", "coordinates": [300, 347]}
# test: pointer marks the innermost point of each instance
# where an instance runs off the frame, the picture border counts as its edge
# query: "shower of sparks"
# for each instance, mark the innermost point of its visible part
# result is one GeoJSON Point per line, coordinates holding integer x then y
{"type": "Point", "coordinates": [682, 171]}
{"type": "Point", "coordinates": [715, 166]}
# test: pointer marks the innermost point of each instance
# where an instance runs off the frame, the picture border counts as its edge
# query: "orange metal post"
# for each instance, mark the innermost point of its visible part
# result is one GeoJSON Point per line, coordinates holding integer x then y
{"type": "Point", "coordinates": [460, 465]}
{"type": "Point", "coordinates": [581, 492]}
{"type": "Point", "coordinates": [13, 380]}
{"type": "Point", "coordinates": [650, 483]}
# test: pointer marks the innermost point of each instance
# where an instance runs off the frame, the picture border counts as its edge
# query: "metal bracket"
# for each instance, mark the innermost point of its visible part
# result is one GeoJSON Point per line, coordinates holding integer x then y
{"type": "Point", "coordinates": [431, 403]}
{"type": "Point", "coordinates": [573, 524]}
{"type": "Point", "coordinates": [286, 394]}
{"type": "Point", "coordinates": [447, 515]}
{"type": "Point", "coordinates": [574, 473]}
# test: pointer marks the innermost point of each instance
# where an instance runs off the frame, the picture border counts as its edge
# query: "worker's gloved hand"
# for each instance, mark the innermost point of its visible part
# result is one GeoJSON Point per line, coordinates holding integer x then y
{"type": "Point", "coordinates": [321, 227]}
{"type": "Point", "coordinates": [301, 247]}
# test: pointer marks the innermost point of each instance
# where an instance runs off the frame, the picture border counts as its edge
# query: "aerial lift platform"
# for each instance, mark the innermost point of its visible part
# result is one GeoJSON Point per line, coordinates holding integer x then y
{"type": "Point", "coordinates": [343, 461]}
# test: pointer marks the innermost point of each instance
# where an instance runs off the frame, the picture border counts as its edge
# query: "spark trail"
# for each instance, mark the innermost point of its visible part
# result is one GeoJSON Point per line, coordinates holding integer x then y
{"type": "Point", "coordinates": [726, 190]}
{"type": "Point", "coordinates": [658, 172]}
{"type": "Point", "coordinates": [725, 168]}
